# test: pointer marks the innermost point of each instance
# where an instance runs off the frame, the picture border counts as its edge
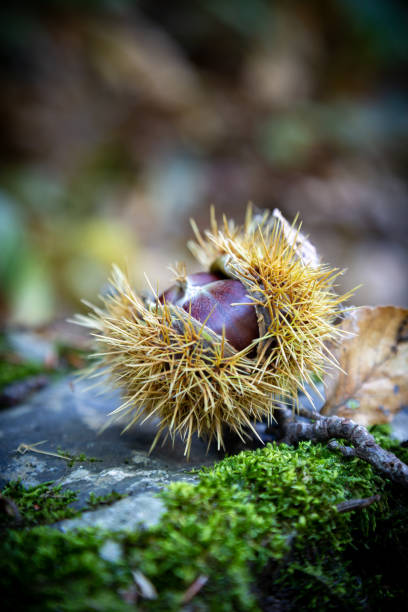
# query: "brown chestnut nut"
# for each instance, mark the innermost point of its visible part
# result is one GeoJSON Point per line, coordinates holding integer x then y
{"type": "Point", "coordinates": [220, 303]}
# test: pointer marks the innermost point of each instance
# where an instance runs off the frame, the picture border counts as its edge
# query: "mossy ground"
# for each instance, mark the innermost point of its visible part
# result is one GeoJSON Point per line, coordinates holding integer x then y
{"type": "Point", "coordinates": [42, 504]}
{"type": "Point", "coordinates": [77, 458]}
{"type": "Point", "coordinates": [12, 372]}
{"type": "Point", "coordinates": [262, 526]}
{"type": "Point", "coordinates": [45, 504]}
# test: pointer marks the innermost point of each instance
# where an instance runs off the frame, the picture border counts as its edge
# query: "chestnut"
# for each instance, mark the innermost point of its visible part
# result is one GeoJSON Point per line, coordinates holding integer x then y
{"type": "Point", "coordinates": [220, 302]}
{"type": "Point", "coordinates": [264, 289]}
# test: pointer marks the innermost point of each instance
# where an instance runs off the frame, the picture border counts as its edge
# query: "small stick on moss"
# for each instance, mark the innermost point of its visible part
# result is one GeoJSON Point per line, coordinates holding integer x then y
{"type": "Point", "coordinates": [313, 415]}
{"type": "Point", "coordinates": [24, 448]}
{"type": "Point", "coordinates": [194, 588]}
{"type": "Point", "coordinates": [356, 504]}
{"type": "Point", "coordinates": [324, 429]}
{"type": "Point", "coordinates": [61, 454]}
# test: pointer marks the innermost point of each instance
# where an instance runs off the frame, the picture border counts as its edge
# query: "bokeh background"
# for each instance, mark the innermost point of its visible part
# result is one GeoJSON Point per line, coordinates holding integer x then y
{"type": "Point", "coordinates": [122, 119]}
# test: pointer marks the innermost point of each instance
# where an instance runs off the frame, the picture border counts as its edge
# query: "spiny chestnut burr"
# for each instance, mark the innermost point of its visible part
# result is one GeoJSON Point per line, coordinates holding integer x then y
{"type": "Point", "coordinates": [218, 302]}
{"type": "Point", "coordinates": [220, 348]}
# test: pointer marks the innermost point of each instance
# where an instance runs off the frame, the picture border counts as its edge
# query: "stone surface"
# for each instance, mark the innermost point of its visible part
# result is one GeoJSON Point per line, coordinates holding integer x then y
{"type": "Point", "coordinates": [399, 425]}
{"type": "Point", "coordinates": [126, 514]}
{"type": "Point", "coordinates": [69, 416]}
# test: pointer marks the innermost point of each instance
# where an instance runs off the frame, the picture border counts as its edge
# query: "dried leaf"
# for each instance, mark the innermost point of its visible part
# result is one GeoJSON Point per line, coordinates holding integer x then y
{"type": "Point", "coordinates": [374, 386]}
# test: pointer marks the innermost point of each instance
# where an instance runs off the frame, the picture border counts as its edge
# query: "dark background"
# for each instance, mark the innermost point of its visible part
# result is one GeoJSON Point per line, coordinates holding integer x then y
{"type": "Point", "coordinates": [121, 120]}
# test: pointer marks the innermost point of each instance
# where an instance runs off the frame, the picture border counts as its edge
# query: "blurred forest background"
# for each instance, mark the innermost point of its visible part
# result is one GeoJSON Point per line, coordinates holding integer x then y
{"type": "Point", "coordinates": [122, 119]}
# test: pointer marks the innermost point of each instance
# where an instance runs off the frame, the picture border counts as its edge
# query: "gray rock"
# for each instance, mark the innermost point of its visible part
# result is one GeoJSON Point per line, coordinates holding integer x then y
{"type": "Point", "coordinates": [111, 551]}
{"type": "Point", "coordinates": [399, 425]}
{"type": "Point", "coordinates": [316, 398]}
{"type": "Point", "coordinates": [69, 415]}
{"type": "Point", "coordinates": [31, 347]}
{"type": "Point", "coordinates": [142, 510]}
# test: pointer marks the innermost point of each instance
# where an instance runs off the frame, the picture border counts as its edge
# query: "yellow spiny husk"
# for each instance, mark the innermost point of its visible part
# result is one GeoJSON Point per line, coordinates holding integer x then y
{"type": "Point", "coordinates": [170, 366]}
{"type": "Point", "coordinates": [293, 293]}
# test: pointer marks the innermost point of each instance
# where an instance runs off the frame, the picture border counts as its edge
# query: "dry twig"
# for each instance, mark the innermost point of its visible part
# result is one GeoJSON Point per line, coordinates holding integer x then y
{"type": "Point", "coordinates": [194, 588]}
{"type": "Point", "coordinates": [330, 429]}
{"type": "Point", "coordinates": [23, 448]}
{"type": "Point", "coordinates": [356, 504]}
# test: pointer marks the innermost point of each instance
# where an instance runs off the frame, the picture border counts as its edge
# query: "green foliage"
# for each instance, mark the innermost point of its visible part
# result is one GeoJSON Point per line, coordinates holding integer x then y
{"type": "Point", "coordinates": [41, 504]}
{"type": "Point", "coordinates": [45, 504]}
{"type": "Point", "coordinates": [45, 570]}
{"type": "Point", "coordinates": [76, 458]}
{"type": "Point", "coordinates": [11, 372]}
{"type": "Point", "coordinates": [103, 500]}
{"type": "Point", "coordinates": [382, 435]}
{"type": "Point", "coordinates": [275, 505]}
{"type": "Point", "coordinates": [260, 524]}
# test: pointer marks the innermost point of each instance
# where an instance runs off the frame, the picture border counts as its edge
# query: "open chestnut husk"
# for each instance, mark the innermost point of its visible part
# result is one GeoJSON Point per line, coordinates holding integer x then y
{"type": "Point", "coordinates": [221, 348]}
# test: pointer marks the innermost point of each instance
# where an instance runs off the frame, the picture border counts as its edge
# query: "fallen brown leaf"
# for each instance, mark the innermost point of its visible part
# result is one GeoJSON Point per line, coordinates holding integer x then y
{"type": "Point", "coordinates": [374, 386]}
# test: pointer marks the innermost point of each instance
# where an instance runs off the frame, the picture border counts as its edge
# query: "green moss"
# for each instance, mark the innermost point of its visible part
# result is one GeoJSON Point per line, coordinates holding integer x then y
{"type": "Point", "coordinates": [12, 372]}
{"type": "Point", "coordinates": [95, 501]}
{"type": "Point", "coordinates": [77, 458]}
{"type": "Point", "coordinates": [259, 525]}
{"type": "Point", "coordinates": [45, 504]}
{"type": "Point", "coordinates": [45, 570]}
{"type": "Point", "coordinates": [382, 435]}
{"type": "Point", "coordinates": [39, 505]}
{"type": "Point", "coordinates": [274, 506]}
